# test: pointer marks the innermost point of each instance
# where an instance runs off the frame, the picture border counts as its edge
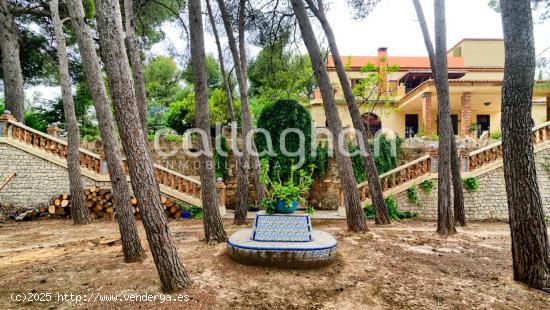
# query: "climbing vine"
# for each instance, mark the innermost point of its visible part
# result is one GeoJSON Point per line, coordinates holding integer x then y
{"type": "Point", "coordinates": [546, 164]}
{"type": "Point", "coordinates": [427, 186]}
{"type": "Point", "coordinates": [411, 194]}
{"type": "Point", "coordinates": [471, 184]}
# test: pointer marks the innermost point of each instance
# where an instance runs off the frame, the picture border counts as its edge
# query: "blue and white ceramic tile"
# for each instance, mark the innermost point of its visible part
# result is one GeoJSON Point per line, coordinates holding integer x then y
{"type": "Point", "coordinates": [277, 228]}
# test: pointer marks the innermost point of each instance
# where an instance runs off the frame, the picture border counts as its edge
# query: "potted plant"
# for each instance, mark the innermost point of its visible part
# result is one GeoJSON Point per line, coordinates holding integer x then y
{"type": "Point", "coordinates": [284, 196]}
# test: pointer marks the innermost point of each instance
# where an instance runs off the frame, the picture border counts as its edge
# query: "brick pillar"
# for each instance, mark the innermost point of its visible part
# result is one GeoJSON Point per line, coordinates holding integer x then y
{"type": "Point", "coordinates": [548, 108]}
{"type": "Point", "coordinates": [466, 110]}
{"type": "Point", "coordinates": [427, 113]}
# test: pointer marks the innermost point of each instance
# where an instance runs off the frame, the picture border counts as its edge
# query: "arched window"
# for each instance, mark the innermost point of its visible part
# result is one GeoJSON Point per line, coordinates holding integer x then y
{"type": "Point", "coordinates": [372, 123]}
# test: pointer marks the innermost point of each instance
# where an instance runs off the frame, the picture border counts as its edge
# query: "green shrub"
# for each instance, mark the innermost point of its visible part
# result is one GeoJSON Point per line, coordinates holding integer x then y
{"type": "Point", "coordinates": [496, 135]}
{"type": "Point", "coordinates": [36, 121]}
{"type": "Point", "coordinates": [427, 186]}
{"type": "Point", "coordinates": [471, 184]}
{"type": "Point", "coordinates": [293, 189]}
{"type": "Point", "coordinates": [411, 194]}
{"type": "Point", "coordinates": [275, 118]}
{"type": "Point", "coordinates": [173, 138]}
{"type": "Point", "coordinates": [195, 212]}
{"type": "Point", "coordinates": [393, 213]}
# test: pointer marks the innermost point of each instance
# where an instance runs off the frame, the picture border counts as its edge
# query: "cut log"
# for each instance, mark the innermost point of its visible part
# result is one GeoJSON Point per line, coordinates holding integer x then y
{"type": "Point", "coordinates": [51, 209]}
{"type": "Point", "coordinates": [65, 203]}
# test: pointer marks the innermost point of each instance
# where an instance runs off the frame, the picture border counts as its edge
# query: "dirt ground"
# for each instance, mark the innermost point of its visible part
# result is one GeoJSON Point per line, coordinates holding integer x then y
{"type": "Point", "coordinates": [405, 265]}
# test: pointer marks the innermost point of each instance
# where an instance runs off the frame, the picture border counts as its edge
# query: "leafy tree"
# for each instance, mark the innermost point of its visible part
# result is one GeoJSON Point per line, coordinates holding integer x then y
{"type": "Point", "coordinates": [279, 73]}
{"type": "Point", "coordinates": [178, 115]}
{"type": "Point", "coordinates": [162, 81]}
{"type": "Point", "coordinates": [37, 57]}
{"type": "Point", "coordinates": [212, 70]}
{"type": "Point", "coordinates": [51, 111]}
{"type": "Point", "coordinates": [181, 114]}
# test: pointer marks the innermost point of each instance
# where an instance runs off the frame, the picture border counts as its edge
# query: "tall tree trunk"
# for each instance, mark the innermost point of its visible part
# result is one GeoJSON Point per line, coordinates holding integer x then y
{"type": "Point", "coordinates": [226, 85]}
{"type": "Point", "coordinates": [530, 256]}
{"type": "Point", "coordinates": [445, 216]}
{"type": "Point", "coordinates": [131, 245]}
{"type": "Point", "coordinates": [354, 213]}
{"type": "Point", "coordinates": [14, 96]}
{"type": "Point", "coordinates": [213, 226]}
{"type": "Point", "coordinates": [438, 62]}
{"type": "Point", "coordinates": [135, 60]}
{"type": "Point", "coordinates": [377, 197]}
{"type": "Point", "coordinates": [246, 123]}
{"type": "Point", "coordinates": [458, 192]}
{"type": "Point", "coordinates": [254, 160]}
{"type": "Point", "coordinates": [79, 209]}
{"type": "Point", "coordinates": [173, 275]}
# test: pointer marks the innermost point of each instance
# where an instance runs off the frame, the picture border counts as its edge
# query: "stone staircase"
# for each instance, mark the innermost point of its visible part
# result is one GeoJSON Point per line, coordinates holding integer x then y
{"type": "Point", "coordinates": [474, 163]}
{"type": "Point", "coordinates": [172, 184]}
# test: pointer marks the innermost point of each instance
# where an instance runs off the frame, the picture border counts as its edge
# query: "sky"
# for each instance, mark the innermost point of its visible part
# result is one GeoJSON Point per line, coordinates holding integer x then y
{"type": "Point", "coordinates": [392, 24]}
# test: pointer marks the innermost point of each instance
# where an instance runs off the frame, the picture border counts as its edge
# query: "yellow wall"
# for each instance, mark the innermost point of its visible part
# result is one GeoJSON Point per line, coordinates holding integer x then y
{"type": "Point", "coordinates": [539, 113]}
{"type": "Point", "coordinates": [483, 76]}
{"type": "Point", "coordinates": [395, 120]}
{"type": "Point", "coordinates": [390, 118]}
{"type": "Point", "coordinates": [488, 53]}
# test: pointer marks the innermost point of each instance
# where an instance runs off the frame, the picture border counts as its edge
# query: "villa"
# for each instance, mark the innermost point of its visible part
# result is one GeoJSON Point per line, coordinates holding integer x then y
{"type": "Point", "coordinates": [476, 70]}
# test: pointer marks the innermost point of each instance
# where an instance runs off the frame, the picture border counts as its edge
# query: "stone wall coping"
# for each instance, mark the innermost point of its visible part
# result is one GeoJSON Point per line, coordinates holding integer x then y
{"type": "Point", "coordinates": [49, 137]}
{"type": "Point", "coordinates": [51, 158]}
{"type": "Point", "coordinates": [493, 145]}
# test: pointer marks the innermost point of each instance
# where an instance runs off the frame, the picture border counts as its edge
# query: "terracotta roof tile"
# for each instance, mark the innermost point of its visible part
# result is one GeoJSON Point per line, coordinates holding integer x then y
{"type": "Point", "coordinates": [404, 62]}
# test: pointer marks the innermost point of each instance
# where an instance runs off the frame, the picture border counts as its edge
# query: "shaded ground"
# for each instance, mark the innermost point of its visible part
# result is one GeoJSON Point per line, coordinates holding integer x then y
{"type": "Point", "coordinates": [403, 265]}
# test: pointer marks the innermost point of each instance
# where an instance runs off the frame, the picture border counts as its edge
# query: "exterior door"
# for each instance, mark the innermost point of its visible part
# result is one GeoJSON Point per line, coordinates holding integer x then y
{"type": "Point", "coordinates": [454, 121]}
{"type": "Point", "coordinates": [411, 125]}
{"type": "Point", "coordinates": [483, 124]}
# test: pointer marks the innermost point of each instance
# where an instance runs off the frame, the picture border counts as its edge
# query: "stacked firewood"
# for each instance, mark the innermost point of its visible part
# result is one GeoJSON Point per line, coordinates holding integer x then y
{"type": "Point", "coordinates": [101, 204]}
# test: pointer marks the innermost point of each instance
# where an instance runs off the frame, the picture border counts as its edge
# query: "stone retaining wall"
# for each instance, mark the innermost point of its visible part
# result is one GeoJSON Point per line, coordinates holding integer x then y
{"type": "Point", "coordinates": [489, 202]}
{"type": "Point", "coordinates": [37, 179]}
